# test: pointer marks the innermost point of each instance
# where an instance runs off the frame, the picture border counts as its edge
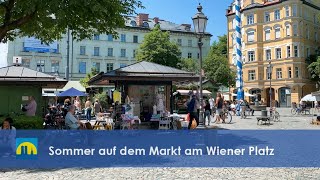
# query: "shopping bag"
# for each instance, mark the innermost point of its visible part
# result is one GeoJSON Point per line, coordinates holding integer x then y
{"type": "Point", "coordinates": [194, 124]}
{"type": "Point", "coordinates": [188, 117]}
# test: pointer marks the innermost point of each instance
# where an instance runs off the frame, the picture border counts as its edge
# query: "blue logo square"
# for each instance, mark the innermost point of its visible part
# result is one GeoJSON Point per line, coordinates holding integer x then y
{"type": "Point", "coordinates": [26, 148]}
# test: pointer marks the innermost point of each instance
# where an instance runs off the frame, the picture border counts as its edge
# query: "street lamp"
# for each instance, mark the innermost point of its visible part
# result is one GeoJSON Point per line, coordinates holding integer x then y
{"type": "Point", "coordinates": [200, 23]}
{"type": "Point", "coordinates": [270, 77]}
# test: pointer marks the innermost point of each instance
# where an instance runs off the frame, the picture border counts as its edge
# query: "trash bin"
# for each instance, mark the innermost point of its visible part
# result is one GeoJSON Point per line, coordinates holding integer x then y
{"type": "Point", "coordinates": [264, 113]}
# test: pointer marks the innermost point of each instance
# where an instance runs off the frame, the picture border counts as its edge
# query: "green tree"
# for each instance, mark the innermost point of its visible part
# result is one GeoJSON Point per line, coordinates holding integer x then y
{"type": "Point", "coordinates": [189, 64]}
{"type": "Point", "coordinates": [157, 47]}
{"type": "Point", "coordinates": [314, 68]}
{"type": "Point", "coordinates": [47, 20]}
{"type": "Point", "coordinates": [216, 65]}
{"type": "Point", "coordinates": [84, 81]}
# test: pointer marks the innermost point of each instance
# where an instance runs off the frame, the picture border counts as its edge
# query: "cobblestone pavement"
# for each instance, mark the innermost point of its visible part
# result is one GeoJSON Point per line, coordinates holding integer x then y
{"type": "Point", "coordinates": [287, 122]}
{"type": "Point", "coordinates": [164, 173]}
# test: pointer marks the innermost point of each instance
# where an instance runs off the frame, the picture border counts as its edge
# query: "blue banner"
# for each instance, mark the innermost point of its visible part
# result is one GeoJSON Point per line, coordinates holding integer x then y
{"type": "Point", "coordinates": [201, 148]}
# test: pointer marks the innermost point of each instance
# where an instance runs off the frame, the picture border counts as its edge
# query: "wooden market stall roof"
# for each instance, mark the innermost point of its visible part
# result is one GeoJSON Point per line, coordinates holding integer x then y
{"type": "Point", "coordinates": [19, 75]}
{"type": "Point", "coordinates": [144, 71]}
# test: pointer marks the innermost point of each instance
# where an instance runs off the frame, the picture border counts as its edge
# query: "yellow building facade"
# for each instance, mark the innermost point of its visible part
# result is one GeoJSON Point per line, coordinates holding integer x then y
{"type": "Point", "coordinates": [283, 32]}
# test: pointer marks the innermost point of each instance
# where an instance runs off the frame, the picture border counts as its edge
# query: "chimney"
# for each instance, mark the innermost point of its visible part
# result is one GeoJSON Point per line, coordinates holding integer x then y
{"type": "Point", "coordinates": [142, 17]}
{"type": "Point", "coordinates": [187, 27]}
{"type": "Point", "coordinates": [156, 20]}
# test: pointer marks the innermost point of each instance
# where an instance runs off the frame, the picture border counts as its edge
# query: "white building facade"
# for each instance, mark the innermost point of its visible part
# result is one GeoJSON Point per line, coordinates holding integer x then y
{"type": "Point", "coordinates": [104, 52]}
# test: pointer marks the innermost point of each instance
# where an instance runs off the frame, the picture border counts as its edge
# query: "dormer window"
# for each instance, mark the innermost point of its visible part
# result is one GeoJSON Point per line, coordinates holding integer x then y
{"type": "Point", "coordinates": [145, 24]}
{"type": "Point", "coordinates": [133, 23]}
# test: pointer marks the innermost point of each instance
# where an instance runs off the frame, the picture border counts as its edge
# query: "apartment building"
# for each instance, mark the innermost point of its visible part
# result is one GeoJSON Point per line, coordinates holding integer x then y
{"type": "Point", "coordinates": [104, 52]}
{"type": "Point", "coordinates": [284, 32]}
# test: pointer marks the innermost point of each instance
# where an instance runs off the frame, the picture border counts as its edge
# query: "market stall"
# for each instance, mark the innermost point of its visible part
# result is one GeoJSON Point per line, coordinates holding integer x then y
{"type": "Point", "coordinates": [146, 87]}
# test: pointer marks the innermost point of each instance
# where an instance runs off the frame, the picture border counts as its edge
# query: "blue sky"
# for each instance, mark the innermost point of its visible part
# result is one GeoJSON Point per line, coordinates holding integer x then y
{"type": "Point", "coordinates": [181, 11]}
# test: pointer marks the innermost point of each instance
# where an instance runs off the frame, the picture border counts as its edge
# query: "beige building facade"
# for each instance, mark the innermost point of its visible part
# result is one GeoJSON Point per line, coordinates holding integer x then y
{"type": "Point", "coordinates": [283, 32]}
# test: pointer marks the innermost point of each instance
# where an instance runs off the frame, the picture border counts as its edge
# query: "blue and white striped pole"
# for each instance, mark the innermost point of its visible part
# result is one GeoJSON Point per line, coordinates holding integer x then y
{"type": "Point", "coordinates": [239, 78]}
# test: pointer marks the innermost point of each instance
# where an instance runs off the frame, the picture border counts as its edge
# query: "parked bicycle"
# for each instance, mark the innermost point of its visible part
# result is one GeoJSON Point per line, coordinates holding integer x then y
{"type": "Point", "coordinates": [300, 110]}
{"type": "Point", "coordinates": [275, 116]}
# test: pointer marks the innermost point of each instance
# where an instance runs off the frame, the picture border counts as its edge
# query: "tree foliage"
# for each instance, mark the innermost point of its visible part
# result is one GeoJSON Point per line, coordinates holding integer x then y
{"type": "Point", "coordinates": [216, 65]}
{"type": "Point", "coordinates": [189, 64]}
{"type": "Point", "coordinates": [314, 68]}
{"type": "Point", "coordinates": [47, 20]}
{"type": "Point", "coordinates": [157, 47]}
{"type": "Point", "coordinates": [84, 81]}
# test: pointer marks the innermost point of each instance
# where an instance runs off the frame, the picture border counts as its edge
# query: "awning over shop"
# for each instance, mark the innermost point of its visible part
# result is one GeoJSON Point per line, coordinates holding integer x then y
{"type": "Point", "coordinates": [186, 92]}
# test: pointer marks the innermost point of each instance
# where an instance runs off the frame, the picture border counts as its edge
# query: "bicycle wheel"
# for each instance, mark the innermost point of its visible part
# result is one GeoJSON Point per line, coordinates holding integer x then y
{"type": "Point", "coordinates": [228, 117]}
{"type": "Point", "coordinates": [277, 116]}
{"type": "Point", "coordinates": [293, 111]}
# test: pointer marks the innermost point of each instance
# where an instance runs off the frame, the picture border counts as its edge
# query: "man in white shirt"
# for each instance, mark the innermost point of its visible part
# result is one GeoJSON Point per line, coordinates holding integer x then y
{"type": "Point", "coordinates": [211, 102]}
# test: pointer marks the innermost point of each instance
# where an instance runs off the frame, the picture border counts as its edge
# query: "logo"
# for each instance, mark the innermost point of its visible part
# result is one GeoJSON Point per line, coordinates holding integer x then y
{"type": "Point", "coordinates": [26, 148]}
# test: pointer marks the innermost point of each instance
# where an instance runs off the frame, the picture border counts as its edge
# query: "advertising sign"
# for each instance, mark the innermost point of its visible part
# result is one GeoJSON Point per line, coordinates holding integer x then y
{"type": "Point", "coordinates": [33, 44]}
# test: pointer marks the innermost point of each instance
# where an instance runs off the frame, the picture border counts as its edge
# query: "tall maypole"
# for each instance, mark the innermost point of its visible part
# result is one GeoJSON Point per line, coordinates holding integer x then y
{"type": "Point", "coordinates": [238, 36]}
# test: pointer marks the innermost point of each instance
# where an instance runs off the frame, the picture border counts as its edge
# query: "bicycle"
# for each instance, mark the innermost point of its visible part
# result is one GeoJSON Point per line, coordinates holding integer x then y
{"type": "Point", "coordinates": [225, 116]}
{"type": "Point", "coordinates": [299, 110]}
{"type": "Point", "coordinates": [275, 116]}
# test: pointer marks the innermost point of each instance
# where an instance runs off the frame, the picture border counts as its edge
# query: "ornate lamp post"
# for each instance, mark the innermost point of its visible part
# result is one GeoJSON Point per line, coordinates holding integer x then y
{"type": "Point", "coordinates": [200, 23]}
{"type": "Point", "coordinates": [270, 77]}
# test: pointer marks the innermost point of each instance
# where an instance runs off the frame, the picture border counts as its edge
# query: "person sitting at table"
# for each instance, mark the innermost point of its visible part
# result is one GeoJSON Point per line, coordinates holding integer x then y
{"type": "Point", "coordinates": [71, 121]}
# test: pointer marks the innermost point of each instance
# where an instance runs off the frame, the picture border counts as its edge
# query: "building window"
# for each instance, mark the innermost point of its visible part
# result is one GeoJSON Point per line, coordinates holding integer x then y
{"type": "Point", "coordinates": [308, 33]}
{"type": "Point", "coordinates": [308, 52]}
{"type": "Point", "coordinates": [268, 54]}
{"type": "Point", "coordinates": [190, 43]}
{"type": "Point", "coordinates": [316, 36]}
{"type": "Point", "coordinates": [251, 36]}
{"type": "Point", "coordinates": [251, 56]}
{"type": "Point", "coordinates": [250, 19]}
{"type": "Point", "coordinates": [110, 52]}
{"type": "Point", "coordinates": [96, 37]}
{"type": "Point", "coordinates": [134, 53]}
{"type": "Point", "coordinates": [295, 30]}
{"type": "Point", "coordinates": [189, 55]}
{"type": "Point", "coordinates": [40, 65]}
{"type": "Point", "coordinates": [110, 37]}
{"type": "Point", "coordinates": [122, 65]}
{"type": "Point", "coordinates": [109, 67]}
{"type": "Point", "coordinates": [252, 75]}
{"type": "Point", "coordinates": [96, 51]}
{"type": "Point", "coordinates": [26, 63]}
{"type": "Point", "coordinates": [267, 32]}
{"type": "Point", "coordinates": [96, 65]}
{"type": "Point", "coordinates": [145, 24]}
{"type": "Point", "coordinates": [266, 16]}
{"type": "Point", "coordinates": [123, 38]}
{"type": "Point", "coordinates": [314, 19]}
{"type": "Point", "coordinates": [288, 30]}
{"type": "Point", "coordinates": [278, 53]}
{"type": "Point", "coordinates": [179, 42]}
{"type": "Point", "coordinates": [288, 51]}
{"type": "Point", "coordinates": [277, 14]}
{"type": "Point", "coordinates": [279, 73]}
{"type": "Point", "coordinates": [123, 53]}
{"type": "Point", "coordinates": [297, 73]}
{"type": "Point", "coordinates": [82, 50]}
{"type": "Point", "coordinates": [133, 23]}
{"type": "Point", "coordinates": [135, 39]}
{"type": "Point", "coordinates": [296, 51]}
{"type": "Point", "coordinates": [287, 11]}
{"type": "Point", "coordinates": [294, 10]}
{"type": "Point", "coordinates": [289, 72]}
{"type": "Point", "coordinates": [54, 66]}
{"type": "Point", "coordinates": [82, 67]}
{"type": "Point", "coordinates": [278, 34]}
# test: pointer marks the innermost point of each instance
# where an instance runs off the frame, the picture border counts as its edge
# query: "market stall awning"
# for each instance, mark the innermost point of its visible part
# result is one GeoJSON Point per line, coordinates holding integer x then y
{"type": "Point", "coordinates": [19, 75]}
{"type": "Point", "coordinates": [144, 71]}
{"type": "Point", "coordinates": [186, 92]}
{"type": "Point", "coordinates": [71, 92]}
{"type": "Point", "coordinates": [74, 84]}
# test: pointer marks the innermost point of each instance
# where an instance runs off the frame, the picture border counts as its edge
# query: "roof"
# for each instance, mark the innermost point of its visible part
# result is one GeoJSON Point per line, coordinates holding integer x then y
{"type": "Point", "coordinates": [164, 25]}
{"type": "Point", "coordinates": [23, 75]}
{"type": "Point", "coordinates": [144, 71]}
{"type": "Point", "coordinates": [74, 84]}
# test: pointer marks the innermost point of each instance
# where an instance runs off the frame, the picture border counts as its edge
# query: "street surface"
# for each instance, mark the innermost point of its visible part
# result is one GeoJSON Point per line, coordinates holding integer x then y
{"type": "Point", "coordinates": [287, 122]}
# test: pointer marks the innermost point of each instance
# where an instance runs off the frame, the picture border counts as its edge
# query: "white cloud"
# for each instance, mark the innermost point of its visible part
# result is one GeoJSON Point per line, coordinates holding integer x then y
{"type": "Point", "coordinates": [3, 54]}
